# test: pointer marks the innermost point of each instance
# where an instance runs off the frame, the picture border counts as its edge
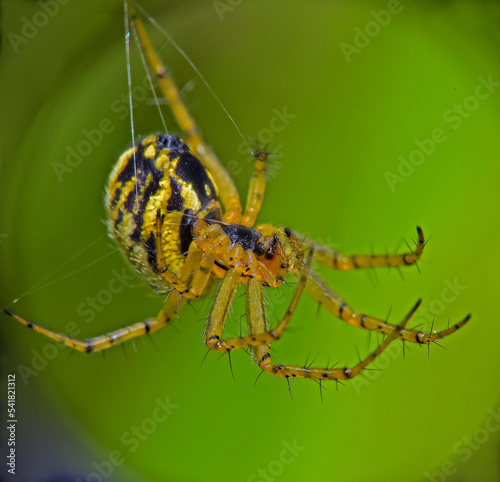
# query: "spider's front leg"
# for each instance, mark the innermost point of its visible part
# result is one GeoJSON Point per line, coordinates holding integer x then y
{"type": "Point", "coordinates": [344, 373]}
{"type": "Point", "coordinates": [336, 305]}
{"type": "Point", "coordinates": [334, 259]}
{"type": "Point", "coordinates": [319, 290]}
{"type": "Point", "coordinates": [259, 335]}
{"type": "Point", "coordinates": [256, 190]}
{"type": "Point", "coordinates": [226, 291]}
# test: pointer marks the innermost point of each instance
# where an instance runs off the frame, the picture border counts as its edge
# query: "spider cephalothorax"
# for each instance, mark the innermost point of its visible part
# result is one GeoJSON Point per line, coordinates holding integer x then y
{"type": "Point", "coordinates": [251, 253]}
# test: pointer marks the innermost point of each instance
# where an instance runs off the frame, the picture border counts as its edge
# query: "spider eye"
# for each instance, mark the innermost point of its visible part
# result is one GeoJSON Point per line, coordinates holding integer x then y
{"type": "Point", "coordinates": [270, 253]}
{"type": "Point", "coordinates": [259, 249]}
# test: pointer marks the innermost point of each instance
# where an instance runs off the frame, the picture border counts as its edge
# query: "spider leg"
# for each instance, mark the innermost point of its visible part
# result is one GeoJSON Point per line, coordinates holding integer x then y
{"type": "Point", "coordinates": [196, 272]}
{"type": "Point", "coordinates": [335, 260]}
{"type": "Point", "coordinates": [218, 314]}
{"type": "Point", "coordinates": [174, 302]}
{"type": "Point", "coordinates": [255, 307]}
{"type": "Point", "coordinates": [256, 190]}
{"type": "Point", "coordinates": [193, 278]}
{"type": "Point", "coordinates": [196, 269]}
{"type": "Point", "coordinates": [228, 192]}
{"type": "Point", "coordinates": [319, 290]}
{"type": "Point", "coordinates": [257, 325]}
{"type": "Point", "coordinates": [345, 373]}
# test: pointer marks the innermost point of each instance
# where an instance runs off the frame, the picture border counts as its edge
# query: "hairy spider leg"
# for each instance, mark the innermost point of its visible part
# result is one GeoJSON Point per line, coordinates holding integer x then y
{"type": "Point", "coordinates": [263, 357]}
{"type": "Point", "coordinates": [228, 192]}
{"type": "Point", "coordinates": [336, 260]}
{"type": "Point", "coordinates": [258, 331]}
{"type": "Point", "coordinates": [174, 303]}
{"type": "Point", "coordinates": [256, 189]}
{"type": "Point", "coordinates": [320, 291]}
{"type": "Point", "coordinates": [194, 276]}
{"type": "Point", "coordinates": [196, 270]}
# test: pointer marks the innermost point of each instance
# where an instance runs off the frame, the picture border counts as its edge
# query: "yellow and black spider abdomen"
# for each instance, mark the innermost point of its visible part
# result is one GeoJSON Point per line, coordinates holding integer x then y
{"type": "Point", "coordinates": [158, 173]}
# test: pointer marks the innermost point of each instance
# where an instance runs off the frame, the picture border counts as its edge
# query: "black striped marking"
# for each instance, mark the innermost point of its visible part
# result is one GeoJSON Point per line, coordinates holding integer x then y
{"type": "Point", "coordinates": [191, 170]}
{"type": "Point", "coordinates": [186, 231]}
{"type": "Point", "coordinates": [175, 202]}
{"type": "Point", "coordinates": [119, 218]}
{"type": "Point", "coordinates": [341, 309]}
{"type": "Point", "coordinates": [150, 246]}
{"type": "Point", "coordinates": [118, 193]}
{"type": "Point", "coordinates": [145, 169]}
{"type": "Point", "coordinates": [265, 357]}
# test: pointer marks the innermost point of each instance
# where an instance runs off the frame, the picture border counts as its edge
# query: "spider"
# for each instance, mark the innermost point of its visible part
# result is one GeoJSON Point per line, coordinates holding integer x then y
{"type": "Point", "coordinates": [176, 214]}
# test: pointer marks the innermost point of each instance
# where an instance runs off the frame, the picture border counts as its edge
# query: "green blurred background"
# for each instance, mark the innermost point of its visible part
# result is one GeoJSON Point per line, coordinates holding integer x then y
{"type": "Point", "coordinates": [352, 115]}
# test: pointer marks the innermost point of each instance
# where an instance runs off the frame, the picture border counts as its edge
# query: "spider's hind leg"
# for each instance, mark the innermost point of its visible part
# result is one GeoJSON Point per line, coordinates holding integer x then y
{"type": "Point", "coordinates": [191, 283]}
{"type": "Point", "coordinates": [259, 336]}
{"type": "Point", "coordinates": [172, 306]}
{"type": "Point", "coordinates": [228, 192]}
